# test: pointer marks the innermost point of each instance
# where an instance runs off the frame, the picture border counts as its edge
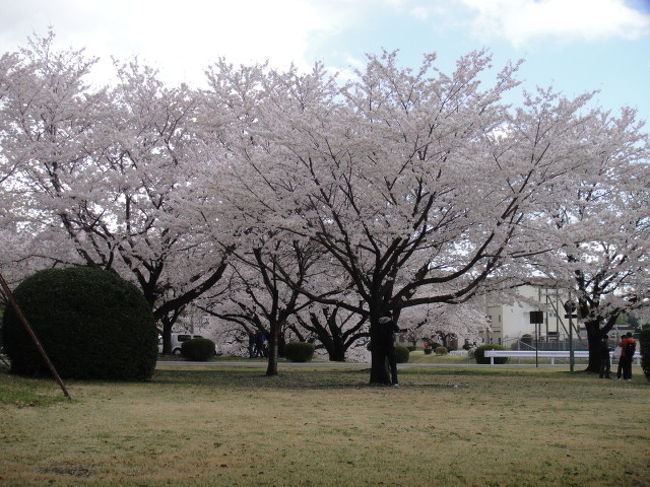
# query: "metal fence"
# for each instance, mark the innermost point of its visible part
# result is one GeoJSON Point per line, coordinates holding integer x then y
{"type": "Point", "coordinates": [518, 344]}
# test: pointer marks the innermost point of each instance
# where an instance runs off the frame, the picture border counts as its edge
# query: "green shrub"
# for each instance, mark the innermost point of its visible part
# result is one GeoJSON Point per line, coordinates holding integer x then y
{"type": "Point", "coordinates": [479, 354]}
{"type": "Point", "coordinates": [644, 347]}
{"type": "Point", "coordinates": [412, 348]}
{"type": "Point", "coordinates": [92, 323]}
{"type": "Point", "coordinates": [198, 349]}
{"type": "Point", "coordinates": [441, 351]}
{"type": "Point", "coordinates": [401, 354]}
{"type": "Point", "coordinates": [427, 351]}
{"type": "Point", "coordinates": [299, 351]}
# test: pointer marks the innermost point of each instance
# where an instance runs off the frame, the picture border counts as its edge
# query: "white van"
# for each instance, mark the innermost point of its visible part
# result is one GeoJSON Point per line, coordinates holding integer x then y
{"type": "Point", "coordinates": [177, 342]}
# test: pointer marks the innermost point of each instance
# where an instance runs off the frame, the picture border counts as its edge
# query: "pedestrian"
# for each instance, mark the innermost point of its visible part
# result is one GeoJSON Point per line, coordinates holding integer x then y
{"type": "Point", "coordinates": [605, 365]}
{"type": "Point", "coordinates": [386, 336]}
{"type": "Point", "coordinates": [261, 344]}
{"type": "Point", "coordinates": [258, 344]}
{"type": "Point", "coordinates": [628, 347]}
{"type": "Point", "coordinates": [617, 353]}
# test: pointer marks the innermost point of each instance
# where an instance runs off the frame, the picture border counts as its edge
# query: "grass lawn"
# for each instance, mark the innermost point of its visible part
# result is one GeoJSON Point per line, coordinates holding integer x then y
{"type": "Point", "coordinates": [326, 427]}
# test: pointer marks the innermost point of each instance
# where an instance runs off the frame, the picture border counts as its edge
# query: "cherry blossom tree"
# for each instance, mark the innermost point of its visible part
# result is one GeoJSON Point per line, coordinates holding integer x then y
{"type": "Point", "coordinates": [599, 229]}
{"type": "Point", "coordinates": [258, 296]}
{"type": "Point", "coordinates": [42, 111]}
{"type": "Point", "coordinates": [445, 323]}
{"type": "Point", "coordinates": [418, 185]}
{"type": "Point", "coordinates": [11, 75]}
{"type": "Point", "coordinates": [115, 171]}
{"type": "Point", "coordinates": [393, 192]}
{"type": "Point", "coordinates": [164, 240]}
{"type": "Point", "coordinates": [333, 328]}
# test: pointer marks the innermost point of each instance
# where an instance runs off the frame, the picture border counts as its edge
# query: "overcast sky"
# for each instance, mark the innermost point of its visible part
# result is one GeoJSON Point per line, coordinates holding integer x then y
{"type": "Point", "coordinates": [574, 45]}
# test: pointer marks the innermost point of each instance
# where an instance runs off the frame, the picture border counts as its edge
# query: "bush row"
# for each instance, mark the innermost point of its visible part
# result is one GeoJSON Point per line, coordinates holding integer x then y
{"type": "Point", "coordinates": [299, 351]}
{"type": "Point", "coordinates": [198, 349]}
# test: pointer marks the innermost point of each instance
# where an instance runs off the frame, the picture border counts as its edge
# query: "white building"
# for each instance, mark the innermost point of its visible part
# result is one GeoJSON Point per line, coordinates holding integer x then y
{"type": "Point", "coordinates": [511, 321]}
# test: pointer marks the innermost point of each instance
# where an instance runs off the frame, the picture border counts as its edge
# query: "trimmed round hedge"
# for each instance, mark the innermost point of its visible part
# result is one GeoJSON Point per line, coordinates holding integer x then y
{"type": "Point", "coordinates": [92, 324]}
{"type": "Point", "coordinates": [441, 350]}
{"type": "Point", "coordinates": [479, 354]}
{"type": "Point", "coordinates": [198, 349]}
{"type": "Point", "coordinates": [401, 354]}
{"type": "Point", "coordinates": [299, 351]}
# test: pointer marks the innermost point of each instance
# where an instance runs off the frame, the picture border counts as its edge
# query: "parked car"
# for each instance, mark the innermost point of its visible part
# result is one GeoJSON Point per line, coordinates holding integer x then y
{"type": "Point", "coordinates": [177, 342]}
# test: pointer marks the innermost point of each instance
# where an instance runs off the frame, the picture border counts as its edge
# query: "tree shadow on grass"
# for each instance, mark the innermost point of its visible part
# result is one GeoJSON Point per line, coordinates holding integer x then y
{"type": "Point", "coordinates": [252, 378]}
{"type": "Point", "coordinates": [295, 379]}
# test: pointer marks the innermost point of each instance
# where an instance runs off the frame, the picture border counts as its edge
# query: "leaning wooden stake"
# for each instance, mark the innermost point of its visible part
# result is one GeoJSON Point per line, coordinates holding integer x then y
{"type": "Point", "coordinates": [21, 317]}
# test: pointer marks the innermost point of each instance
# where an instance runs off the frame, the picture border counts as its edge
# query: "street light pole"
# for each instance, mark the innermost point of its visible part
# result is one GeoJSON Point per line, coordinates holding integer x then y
{"type": "Point", "coordinates": [536, 345]}
{"type": "Point", "coordinates": [570, 307]}
{"type": "Point", "coordinates": [537, 318]}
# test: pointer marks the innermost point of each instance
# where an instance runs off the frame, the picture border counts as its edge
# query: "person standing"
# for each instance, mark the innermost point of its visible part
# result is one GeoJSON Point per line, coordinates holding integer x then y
{"type": "Point", "coordinates": [261, 344]}
{"type": "Point", "coordinates": [258, 345]}
{"type": "Point", "coordinates": [618, 353]}
{"type": "Point", "coordinates": [386, 335]}
{"type": "Point", "coordinates": [628, 347]}
{"type": "Point", "coordinates": [605, 365]}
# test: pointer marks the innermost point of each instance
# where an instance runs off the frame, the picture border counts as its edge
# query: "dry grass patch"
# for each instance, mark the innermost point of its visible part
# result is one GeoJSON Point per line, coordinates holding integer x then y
{"type": "Point", "coordinates": [327, 428]}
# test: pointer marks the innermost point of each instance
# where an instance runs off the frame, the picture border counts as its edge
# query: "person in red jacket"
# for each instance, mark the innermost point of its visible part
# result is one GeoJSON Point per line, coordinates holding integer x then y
{"type": "Point", "coordinates": [628, 347]}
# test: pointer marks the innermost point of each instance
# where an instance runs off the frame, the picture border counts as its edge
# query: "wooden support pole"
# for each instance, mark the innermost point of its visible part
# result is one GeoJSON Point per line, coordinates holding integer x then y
{"type": "Point", "coordinates": [10, 297]}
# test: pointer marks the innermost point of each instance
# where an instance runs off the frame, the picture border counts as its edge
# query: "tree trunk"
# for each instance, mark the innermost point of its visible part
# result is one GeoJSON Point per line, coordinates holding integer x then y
{"type": "Point", "coordinates": [379, 373]}
{"type": "Point", "coordinates": [168, 321]}
{"type": "Point", "coordinates": [595, 333]}
{"type": "Point", "coordinates": [337, 353]}
{"type": "Point", "coordinates": [336, 350]}
{"type": "Point", "coordinates": [167, 335]}
{"type": "Point", "coordinates": [272, 365]}
{"type": "Point", "coordinates": [594, 336]}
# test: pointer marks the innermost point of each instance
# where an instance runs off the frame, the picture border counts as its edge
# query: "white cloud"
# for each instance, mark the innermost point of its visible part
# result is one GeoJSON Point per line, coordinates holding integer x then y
{"type": "Point", "coordinates": [420, 13]}
{"type": "Point", "coordinates": [253, 30]}
{"type": "Point", "coordinates": [521, 21]}
{"type": "Point", "coordinates": [181, 38]}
